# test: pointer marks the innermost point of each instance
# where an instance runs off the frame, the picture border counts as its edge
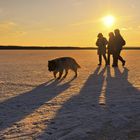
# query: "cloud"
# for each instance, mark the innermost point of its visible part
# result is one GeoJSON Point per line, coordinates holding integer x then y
{"type": "Point", "coordinates": [126, 28]}
{"type": "Point", "coordinates": [11, 28]}
{"type": "Point", "coordinates": [77, 2]}
{"type": "Point", "coordinates": [7, 25]}
{"type": "Point", "coordinates": [86, 22]}
{"type": "Point", "coordinates": [130, 28]}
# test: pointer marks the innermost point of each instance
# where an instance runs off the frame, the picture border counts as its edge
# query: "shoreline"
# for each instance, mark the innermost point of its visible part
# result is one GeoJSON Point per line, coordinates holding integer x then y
{"type": "Point", "coordinates": [57, 48]}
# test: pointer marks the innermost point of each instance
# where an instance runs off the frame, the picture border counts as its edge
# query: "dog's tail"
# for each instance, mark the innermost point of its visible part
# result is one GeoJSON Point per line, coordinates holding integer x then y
{"type": "Point", "coordinates": [78, 66]}
{"type": "Point", "coordinates": [74, 61]}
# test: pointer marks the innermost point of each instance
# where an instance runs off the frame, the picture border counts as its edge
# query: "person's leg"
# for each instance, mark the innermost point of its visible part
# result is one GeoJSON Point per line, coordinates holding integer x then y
{"type": "Point", "coordinates": [116, 54]}
{"type": "Point", "coordinates": [100, 59]}
{"type": "Point", "coordinates": [105, 58]}
{"type": "Point", "coordinates": [121, 59]}
{"type": "Point", "coordinates": [108, 59]}
{"type": "Point", "coordinates": [113, 56]}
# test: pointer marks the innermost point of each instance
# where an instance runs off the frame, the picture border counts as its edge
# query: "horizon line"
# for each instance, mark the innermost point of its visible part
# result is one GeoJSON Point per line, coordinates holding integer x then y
{"type": "Point", "coordinates": [56, 48]}
{"type": "Point", "coordinates": [42, 46]}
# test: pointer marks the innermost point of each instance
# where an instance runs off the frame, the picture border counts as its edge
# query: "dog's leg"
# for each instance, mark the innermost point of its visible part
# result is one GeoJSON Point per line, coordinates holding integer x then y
{"type": "Point", "coordinates": [60, 74]}
{"type": "Point", "coordinates": [75, 70]}
{"type": "Point", "coordinates": [66, 73]}
{"type": "Point", "coordinates": [54, 73]}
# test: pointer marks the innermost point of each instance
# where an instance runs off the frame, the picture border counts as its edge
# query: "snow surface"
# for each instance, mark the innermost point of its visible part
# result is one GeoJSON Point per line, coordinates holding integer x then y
{"type": "Point", "coordinates": [102, 103]}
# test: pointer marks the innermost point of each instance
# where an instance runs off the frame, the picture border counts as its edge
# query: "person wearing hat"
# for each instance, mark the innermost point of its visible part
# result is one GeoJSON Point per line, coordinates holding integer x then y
{"type": "Point", "coordinates": [101, 43]}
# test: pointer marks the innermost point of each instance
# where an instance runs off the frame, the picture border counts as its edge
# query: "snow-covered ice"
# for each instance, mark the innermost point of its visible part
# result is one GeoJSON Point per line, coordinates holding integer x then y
{"type": "Point", "coordinates": [102, 103]}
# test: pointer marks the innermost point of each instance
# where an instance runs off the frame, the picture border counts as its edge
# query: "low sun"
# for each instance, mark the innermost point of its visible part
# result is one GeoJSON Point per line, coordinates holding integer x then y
{"type": "Point", "coordinates": [108, 20]}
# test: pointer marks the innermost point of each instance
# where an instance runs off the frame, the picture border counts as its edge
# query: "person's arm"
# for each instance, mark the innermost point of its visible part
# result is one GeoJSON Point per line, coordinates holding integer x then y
{"type": "Point", "coordinates": [106, 42]}
{"type": "Point", "coordinates": [122, 41]}
{"type": "Point", "coordinates": [97, 42]}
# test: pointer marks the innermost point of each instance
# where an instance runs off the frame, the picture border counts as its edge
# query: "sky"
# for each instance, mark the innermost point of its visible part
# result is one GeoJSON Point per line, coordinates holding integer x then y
{"type": "Point", "coordinates": [66, 22]}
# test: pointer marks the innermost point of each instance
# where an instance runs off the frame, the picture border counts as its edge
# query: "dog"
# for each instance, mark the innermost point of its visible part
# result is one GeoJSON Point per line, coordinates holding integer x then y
{"type": "Point", "coordinates": [61, 64]}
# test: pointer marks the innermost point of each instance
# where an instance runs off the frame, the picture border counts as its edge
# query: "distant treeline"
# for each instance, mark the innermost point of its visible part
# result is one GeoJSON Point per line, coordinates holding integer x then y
{"type": "Point", "coordinates": [55, 48]}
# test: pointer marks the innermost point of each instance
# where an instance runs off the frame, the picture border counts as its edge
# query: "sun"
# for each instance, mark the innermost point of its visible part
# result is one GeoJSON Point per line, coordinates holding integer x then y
{"type": "Point", "coordinates": [108, 20]}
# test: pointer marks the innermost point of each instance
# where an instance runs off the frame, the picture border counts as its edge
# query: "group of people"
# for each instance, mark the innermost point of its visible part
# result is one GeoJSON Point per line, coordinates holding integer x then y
{"type": "Point", "coordinates": [114, 47]}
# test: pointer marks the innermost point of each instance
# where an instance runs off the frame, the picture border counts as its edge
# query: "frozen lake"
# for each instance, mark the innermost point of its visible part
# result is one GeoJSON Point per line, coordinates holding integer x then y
{"type": "Point", "coordinates": [103, 103]}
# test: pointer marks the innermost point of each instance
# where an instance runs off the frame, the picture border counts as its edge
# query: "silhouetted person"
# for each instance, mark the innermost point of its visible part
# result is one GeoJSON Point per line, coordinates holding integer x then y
{"type": "Point", "coordinates": [119, 43]}
{"type": "Point", "coordinates": [111, 47]}
{"type": "Point", "coordinates": [101, 43]}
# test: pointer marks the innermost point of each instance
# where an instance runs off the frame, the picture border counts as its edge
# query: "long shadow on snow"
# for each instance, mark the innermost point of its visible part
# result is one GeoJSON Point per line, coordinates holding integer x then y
{"type": "Point", "coordinates": [81, 117]}
{"type": "Point", "coordinates": [77, 111]}
{"type": "Point", "coordinates": [17, 108]}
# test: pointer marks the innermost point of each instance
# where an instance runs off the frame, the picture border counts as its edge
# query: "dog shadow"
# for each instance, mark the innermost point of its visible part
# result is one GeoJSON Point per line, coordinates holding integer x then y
{"type": "Point", "coordinates": [18, 107]}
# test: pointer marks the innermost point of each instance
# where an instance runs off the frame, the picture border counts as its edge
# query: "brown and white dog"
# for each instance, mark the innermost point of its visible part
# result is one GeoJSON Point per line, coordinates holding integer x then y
{"type": "Point", "coordinates": [61, 64]}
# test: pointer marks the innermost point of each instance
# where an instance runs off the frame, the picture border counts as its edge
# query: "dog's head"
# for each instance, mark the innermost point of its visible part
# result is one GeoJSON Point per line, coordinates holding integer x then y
{"type": "Point", "coordinates": [52, 65]}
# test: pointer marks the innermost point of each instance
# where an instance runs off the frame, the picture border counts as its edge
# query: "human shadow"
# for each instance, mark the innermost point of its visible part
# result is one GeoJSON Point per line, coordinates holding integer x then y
{"type": "Point", "coordinates": [18, 107]}
{"type": "Point", "coordinates": [82, 117]}
{"type": "Point", "coordinates": [122, 107]}
{"type": "Point", "coordinates": [118, 86]}
{"type": "Point", "coordinates": [78, 111]}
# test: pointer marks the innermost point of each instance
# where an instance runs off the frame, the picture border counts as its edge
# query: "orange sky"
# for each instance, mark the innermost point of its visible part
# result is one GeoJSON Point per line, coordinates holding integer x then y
{"type": "Point", "coordinates": [66, 22]}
